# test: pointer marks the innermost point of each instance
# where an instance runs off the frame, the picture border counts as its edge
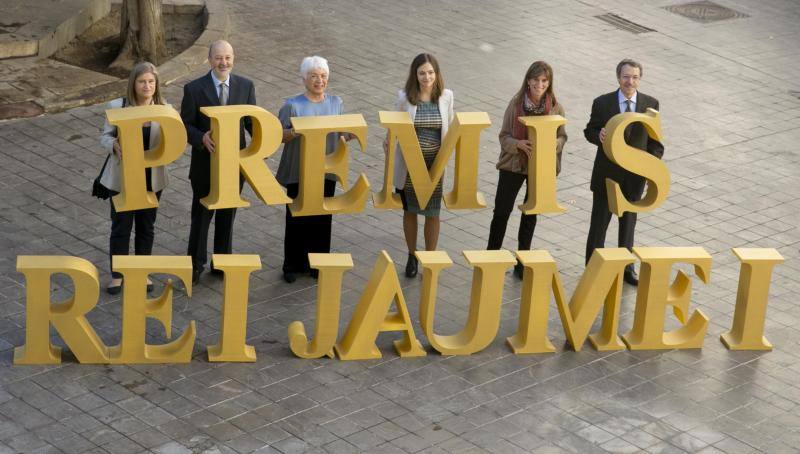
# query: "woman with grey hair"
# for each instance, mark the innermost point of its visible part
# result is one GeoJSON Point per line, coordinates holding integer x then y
{"type": "Point", "coordinates": [143, 89]}
{"type": "Point", "coordinates": [306, 234]}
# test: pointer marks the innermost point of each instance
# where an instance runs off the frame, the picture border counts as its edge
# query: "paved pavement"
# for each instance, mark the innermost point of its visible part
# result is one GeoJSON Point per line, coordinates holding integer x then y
{"type": "Point", "coordinates": [729, 98]}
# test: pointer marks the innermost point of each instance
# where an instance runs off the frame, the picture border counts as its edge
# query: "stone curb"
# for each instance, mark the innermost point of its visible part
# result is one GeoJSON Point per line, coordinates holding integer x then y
{"type": "Point", "coordinates": [217, 26]}
{"type": "Point", "coordinates": [60, 36]}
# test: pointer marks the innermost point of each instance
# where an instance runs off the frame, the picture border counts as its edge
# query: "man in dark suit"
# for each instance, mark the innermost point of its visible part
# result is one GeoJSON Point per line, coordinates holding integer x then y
{"type": "Point", "coordinates": [625, 99]}
{"type": "Point", "coordinates": [218, 87]}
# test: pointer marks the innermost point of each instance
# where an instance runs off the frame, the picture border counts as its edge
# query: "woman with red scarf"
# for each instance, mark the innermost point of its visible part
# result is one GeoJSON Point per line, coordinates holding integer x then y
{"type": "Point", "coordinates": [535, 97]}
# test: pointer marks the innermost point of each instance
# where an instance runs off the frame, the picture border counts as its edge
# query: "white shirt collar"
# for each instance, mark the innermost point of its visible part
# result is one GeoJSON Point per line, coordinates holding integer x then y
{"type": "Point", "coordinates": [621, 98]}
{"type": "Point", "coordinates": [217, 81]}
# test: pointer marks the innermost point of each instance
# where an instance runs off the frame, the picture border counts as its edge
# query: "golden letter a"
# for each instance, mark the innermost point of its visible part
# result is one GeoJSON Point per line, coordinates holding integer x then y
{"type": "Point", "coordinates": [370, 317]}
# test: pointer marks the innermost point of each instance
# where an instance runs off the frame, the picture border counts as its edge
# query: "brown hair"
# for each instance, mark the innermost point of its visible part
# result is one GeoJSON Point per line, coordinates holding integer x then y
{"type": "Point", "coordinates": [144, 67]}
{"type": "Point", "coordinates": [536, 69]}
{"type": "Point", "coordinates": [412, 84]}
{"type": "Point", "coordinates": [631, 63]}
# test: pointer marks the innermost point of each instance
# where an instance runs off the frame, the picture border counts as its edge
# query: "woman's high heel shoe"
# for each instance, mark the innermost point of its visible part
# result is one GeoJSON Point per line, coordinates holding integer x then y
{"type": "Point", "coordinates": [411, 265]}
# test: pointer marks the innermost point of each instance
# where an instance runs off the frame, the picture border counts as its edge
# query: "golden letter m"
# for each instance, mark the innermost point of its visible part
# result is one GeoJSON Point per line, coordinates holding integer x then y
{"type": "Point", "coordinates": [463, 137]}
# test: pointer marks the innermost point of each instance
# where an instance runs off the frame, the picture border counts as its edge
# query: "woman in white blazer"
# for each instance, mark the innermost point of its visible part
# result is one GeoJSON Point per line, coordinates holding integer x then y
{"type": "Point", "coordinates": [143, 89]}
{"type": "Point", "coordinates": [430, 106]}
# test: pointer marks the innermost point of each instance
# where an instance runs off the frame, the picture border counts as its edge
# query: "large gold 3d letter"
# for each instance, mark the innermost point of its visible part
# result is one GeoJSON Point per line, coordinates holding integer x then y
{"type": "Point", "coordinates": [602, 277]}
{"type": "Point", "coordinates": [484, 308]}
{"type": "Point", "coordinates": [228, 160]}
{"type": "Point", "coordinates": [542, 168]}
{"type": "Point", "coordinates": [463, 137]}
{"type": "Point", "coordinates": [747, 332]}
{"type": "Point", "coordinates": [133, 193]}
{"type": "Point", "coordinates": [66, 316]}
{"type": "Point", "coordinates": [637, 161]}
{"type": "Point", "coordinates": [136, 307]}
{"type": "Point", "coordinates": [655, 293]}
{"type": "Point", "coordinates": [314, 164]}
{"type": "Point", "coordinates": [538, 279]}
{"type": "Point", "coordinates": [329, 292]}
{"type": "Point", "coordinates": [231, 345]}
{"type": "Point", "coordinates": [371, 318]}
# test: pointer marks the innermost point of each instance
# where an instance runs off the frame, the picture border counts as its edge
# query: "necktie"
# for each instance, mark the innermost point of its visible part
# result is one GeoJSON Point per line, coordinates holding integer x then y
{"type": "Point", "coordinates": [627, 132]}
{"type": "Point", "coordinates": [223, 94]}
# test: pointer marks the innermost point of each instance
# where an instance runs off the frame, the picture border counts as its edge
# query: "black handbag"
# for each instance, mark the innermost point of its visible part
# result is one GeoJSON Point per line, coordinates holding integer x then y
{"type": "Point", "coordinates": [98, 190]}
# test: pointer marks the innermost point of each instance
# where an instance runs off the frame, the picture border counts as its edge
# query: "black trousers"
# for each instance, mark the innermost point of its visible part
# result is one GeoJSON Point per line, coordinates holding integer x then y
{"type": "Point", "coordinates": [305, 234]}
{"type": "Point", "coordinates": [598, 225]}
{"type": "Point", "coordinates": [122, 225]}
{"type": "Point", "coordinates": [198, 232]}
{"type": "Point", "coordinates": [508, 185]}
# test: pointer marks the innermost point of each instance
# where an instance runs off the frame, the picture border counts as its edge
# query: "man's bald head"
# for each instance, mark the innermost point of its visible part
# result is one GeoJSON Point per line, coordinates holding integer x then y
{"type": "Point", "coordinates": [219, 45]}
{"type": "Point", "coordinates": [220, 58]}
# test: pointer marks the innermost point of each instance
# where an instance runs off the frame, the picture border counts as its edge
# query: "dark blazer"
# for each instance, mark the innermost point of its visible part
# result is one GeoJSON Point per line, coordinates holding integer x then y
{"type": "Point", "coordinates": [201, 93]}
{"type": "Point", "coordinates": [603, 108]}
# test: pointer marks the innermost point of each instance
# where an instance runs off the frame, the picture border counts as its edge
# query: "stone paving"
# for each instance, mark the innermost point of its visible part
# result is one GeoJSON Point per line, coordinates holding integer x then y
{"type": "Point", "coordinates": [731, 118]}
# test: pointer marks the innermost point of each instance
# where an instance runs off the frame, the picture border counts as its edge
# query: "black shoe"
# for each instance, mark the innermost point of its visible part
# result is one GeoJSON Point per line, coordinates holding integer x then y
{"type": "Point", "coordinates": [114, 290]}
{"type": "Point", "coordinates": [411, 265]}
{"type": "Point", "coordinates": [518, 270]}
{"type": "Point", "coordinates": [289, 277]}
{"type": "Point", "coordinates": [314, 273]}
{"type": "Point", "coordinates": [216, 272]}
{"type": "Point", "coordinates": [630, 276]}
{"type": "Point", "coordinates": [150, 288]}
{"type": "Point", "coordinates": [196, 275]}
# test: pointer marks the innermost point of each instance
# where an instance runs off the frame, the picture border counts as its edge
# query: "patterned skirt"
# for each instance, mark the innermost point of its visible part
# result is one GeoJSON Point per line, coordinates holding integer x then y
{"type": "Point", "coordinates": [409, 197]}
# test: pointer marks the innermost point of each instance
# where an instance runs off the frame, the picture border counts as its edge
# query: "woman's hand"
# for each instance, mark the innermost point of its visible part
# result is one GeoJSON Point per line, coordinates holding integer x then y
{"type": "Point", "coordinates": [117, 149]}
{"type": "Point", "coordinates": [524, 146]}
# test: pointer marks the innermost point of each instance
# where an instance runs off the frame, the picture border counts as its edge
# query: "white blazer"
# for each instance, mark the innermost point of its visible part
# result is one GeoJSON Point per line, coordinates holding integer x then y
{"type": "Point", "coordinates": [111, 177]}
{"type": "Point", "coordinates": [402, 104]}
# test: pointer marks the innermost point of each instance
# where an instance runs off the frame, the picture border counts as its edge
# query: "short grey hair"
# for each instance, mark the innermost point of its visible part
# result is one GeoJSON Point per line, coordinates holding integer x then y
{"type": "Point", "coordinates": [311, 63]}
{"type": "Point", "coordinates": [629, 62]}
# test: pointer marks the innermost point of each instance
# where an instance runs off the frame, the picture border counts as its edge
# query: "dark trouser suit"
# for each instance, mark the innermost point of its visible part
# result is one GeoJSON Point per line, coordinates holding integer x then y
{"type": "Point", "coordinates": [305, 234]}
{"type": "Point", "coordinates": [198, 232]}
{"type": "Point", "coordinates": [600, 219]}
{"type": "Point", "coordinates": [508, 185]}
{"type": "Point", "coordinates": [121, 226]}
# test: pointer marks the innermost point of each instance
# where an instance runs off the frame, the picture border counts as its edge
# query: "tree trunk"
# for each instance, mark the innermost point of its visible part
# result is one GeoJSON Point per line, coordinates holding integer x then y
{"type": "Point", "coordinates": [141, 34]}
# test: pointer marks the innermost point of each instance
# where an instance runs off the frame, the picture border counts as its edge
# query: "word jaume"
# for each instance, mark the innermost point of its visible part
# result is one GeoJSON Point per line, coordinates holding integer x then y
{"type": "Point", "coordinates": [600, 287]}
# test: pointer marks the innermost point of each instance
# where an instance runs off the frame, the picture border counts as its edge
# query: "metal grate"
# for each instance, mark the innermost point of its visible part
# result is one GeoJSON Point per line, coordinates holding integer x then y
{"type": "Point", "coordinates": [623, 24]}
{"type": "Point", "coordinates": [705, 11]}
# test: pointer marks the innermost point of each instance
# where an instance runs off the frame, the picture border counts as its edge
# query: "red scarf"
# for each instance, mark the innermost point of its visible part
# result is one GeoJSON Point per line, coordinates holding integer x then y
{"type": "Point", "coordinates": [520, 131]}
